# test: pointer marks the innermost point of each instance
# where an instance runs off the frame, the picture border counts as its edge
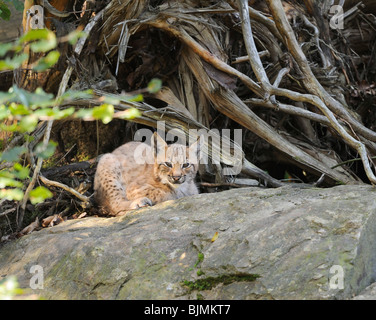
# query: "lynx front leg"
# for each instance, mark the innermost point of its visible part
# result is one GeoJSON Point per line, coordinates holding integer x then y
{"type": "Point", "coordinates": [110, 193]}
{"type": "Point", "coordinates": [141, 202]}
{"type": "Point", "coordinates": [121, 208]}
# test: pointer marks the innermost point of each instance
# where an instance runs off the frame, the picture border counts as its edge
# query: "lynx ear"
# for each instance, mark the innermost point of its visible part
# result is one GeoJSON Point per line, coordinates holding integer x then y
{"type": "Point", "coordinates": [158, 145]}
{"type": "Point", "coordinates": [194, 150]}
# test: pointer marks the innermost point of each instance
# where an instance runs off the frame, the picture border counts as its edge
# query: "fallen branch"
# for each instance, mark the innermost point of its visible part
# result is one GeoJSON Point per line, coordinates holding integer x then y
{"type": "Point", "coordinates": [314, 100]}
{"type": "Point", "coordinates": [50, 183]}
{"type": "Point", "coordinates": [285, 29]}
{"type": "Point", "coordinates": [289, 109]}
{"type": "Point", "coordinates": [66, 169]}
{"type": "Point", "coordinates": [262, 54]}
{"type": "Point", "coordinates": [7, 211]}
{"type": "Point", "coordinates": [228, 103]}
{"type": "Point", "coordinates": [224, 184]}
{"type": "Point", "coordinates": [253, 55]}
{"type": "Point", "coordinates": [205, 54]}
{"type": "Point", "coordinates": [251, 170]}
{"type": "Point", "coordinates": [309, 80]}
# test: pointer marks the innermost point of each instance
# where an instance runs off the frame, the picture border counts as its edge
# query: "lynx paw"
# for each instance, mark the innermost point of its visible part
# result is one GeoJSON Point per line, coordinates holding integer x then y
{"type": "Point", "coordinates": [141, 202]}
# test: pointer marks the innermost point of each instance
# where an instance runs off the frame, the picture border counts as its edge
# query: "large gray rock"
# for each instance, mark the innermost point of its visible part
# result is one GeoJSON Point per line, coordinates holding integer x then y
{"type": "Point", "coordinates": [368, 293]}
{"type": "Point", "coordinates": [284, 243]}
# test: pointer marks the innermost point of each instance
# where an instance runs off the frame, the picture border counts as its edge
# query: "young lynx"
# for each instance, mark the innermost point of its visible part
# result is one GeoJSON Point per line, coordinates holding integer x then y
{"type": "Point", "coordinates": [123, 182]}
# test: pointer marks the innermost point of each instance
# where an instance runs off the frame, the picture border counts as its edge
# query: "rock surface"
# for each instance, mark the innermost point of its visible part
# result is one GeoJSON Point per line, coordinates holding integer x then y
{"type": "Point", "coordinates": [368, 293]}
{"type": "Point", "coordinates": [284, 243]}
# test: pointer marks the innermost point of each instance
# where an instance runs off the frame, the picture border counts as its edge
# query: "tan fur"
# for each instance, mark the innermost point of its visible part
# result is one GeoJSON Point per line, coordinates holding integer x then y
{"type": "Point", "coordinates": [121, 184]}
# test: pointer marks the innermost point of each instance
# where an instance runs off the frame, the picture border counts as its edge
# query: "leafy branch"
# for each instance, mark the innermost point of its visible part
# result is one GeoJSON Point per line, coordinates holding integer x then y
{"type": "Point", "coordinates": [23, 112]}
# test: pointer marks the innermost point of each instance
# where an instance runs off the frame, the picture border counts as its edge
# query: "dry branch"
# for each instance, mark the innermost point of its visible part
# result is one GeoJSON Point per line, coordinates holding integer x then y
{"type": "Point", "coordinates": [209, 58]}
{"type": "Point", "coordinates": [250, 46]}
{"type": "Point", "coordinates": [319, 92]}
{"type": "Point", "coordinates": [182, 35]}
{"type": "Point", "coordinates": [310, 81]}
{"type": "Point", "coordinates": [50, 183]}
{"type": "Point", "coordinates": [35, 176]}
{"type": "Point", "coordinates": [228, 103]}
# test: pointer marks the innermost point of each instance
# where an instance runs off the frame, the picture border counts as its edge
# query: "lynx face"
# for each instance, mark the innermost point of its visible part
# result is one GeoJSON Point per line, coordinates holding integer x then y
{"type": "Point", "coordinates": [174, 164]}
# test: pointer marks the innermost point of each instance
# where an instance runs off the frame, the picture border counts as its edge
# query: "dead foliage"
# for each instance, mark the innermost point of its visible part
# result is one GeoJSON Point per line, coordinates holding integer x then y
{"type": "Point", "coordinates": [302, 91]}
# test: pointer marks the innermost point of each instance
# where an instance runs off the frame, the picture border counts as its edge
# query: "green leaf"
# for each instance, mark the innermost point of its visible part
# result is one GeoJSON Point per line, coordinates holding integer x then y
{"type": "Point", "coordinates": [29, 138]}
{"type": "Point", "coordinates": [4, 112]}
{"type": "Point", "coordinates": [45, 40]}
{"type": "Point", "coordinates": [104, 112]}
{"type": "Point", "coordinates": [44, 45]}
{"type": "Point", "coordinates": [110, 100]}
{"type": "Point", "coordinates": [4, 48]}
{"type": "Point", "coordinates": [7, 174]}
{"type": "Point", "coordinates": [135, 98]}
{"type": "Point", "coordinates": [39, 194]}
{"type": "Point", "coordinates": [35, 34]}
{"type": "Point", "coordinates": [11, 128]}
{"type": "Point", "coordinates": [45, 112]}
{"type": "Point", "coordinates": [4, 11]}
{"type": "Point", "coordinates": [8, 182]}
{"type": "Point", "coordinates": [21, 172]}
{"type": "Point", "coordinates": [73, 36]}
{"type": "Point", "coordinates": [45, 152]}
{"type": "Point", "coordinates": [18, 109]}
{"type": "Point", "coordinates": [47, 62]}
{"type": "Point", "coordinates": [11, 194]}
{"type": "Point", "coordinates": [200, 259]}
{"type": "Point", "coordinates": [36, 99]}
{"type": "Point", "coordinates": [40, 98]}
{"type": "Point", "coordinates": [28, 123]}
{"type": "Point", "coordinates": [130, 114]}
{"type": "Point", "coordinates": [74, 95]}
{"type": "Point", "coordinates": [13, 63]}
{"type": "Point", "coordinates": [54, 113]}
{"type": "Point", "coordinates": [20, 95]}
{"type": "Point", "coordinates": [65, 113]}
{"type": "Point", "coordinates": [13, 154]}
{"type": "Point", "coordinates": [7, 96]}
{"type": "Point", "coordinates": [154, 85]}
{"type": "Point", "coordinates": [84, 113]}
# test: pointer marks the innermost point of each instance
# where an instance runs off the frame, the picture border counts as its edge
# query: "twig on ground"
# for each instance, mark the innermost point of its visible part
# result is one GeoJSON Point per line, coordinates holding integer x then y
{"type": "Point", "coordinates": [7, 211]}
{"type": "Point", "coordinates": [51, 183]}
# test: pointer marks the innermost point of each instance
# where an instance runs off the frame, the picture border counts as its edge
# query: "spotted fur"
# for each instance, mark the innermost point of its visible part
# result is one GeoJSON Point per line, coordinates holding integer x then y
{"type": "Point", "coordinates": [122, 183]}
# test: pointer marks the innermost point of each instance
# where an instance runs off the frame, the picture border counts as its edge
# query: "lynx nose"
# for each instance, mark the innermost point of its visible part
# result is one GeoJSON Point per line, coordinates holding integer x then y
{"type": "Point", "coordinates": [176, 178]}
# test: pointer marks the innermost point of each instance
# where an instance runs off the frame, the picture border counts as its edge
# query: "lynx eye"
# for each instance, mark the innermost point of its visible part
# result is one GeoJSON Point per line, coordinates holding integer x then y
{"type": "Point", "coordinates": [168, 164]}
{"type": "Point", "coordinates": [186, 165]}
